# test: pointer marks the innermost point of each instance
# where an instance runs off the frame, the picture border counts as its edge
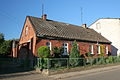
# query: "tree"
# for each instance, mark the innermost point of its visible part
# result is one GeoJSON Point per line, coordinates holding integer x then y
{"type": "Point", "coordinates": [5, 47]}
{"type": "Point", "coordinates": [1, 38]}
{"type": "Point", "coordinates": [74, 55]}
{"type": "Point", "coordinates": [43, 52]}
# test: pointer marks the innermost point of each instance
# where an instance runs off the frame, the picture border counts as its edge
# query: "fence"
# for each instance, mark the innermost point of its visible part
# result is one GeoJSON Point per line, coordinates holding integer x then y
{"type": "Point", "coordinates": [62, 63]}
{"type": "Point", "coordinates": [13, 63]}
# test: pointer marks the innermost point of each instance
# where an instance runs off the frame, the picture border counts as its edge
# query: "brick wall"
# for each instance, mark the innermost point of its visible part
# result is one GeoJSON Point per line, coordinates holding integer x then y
{"type": "Point", "coordinates": [30, 35]}
{"type": "Point", "coordinates": [83, 46]}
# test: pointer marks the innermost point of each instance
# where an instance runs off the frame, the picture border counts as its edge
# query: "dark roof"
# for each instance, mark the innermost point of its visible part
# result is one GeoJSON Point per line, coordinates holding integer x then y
{"type": "Point", "coordinates": [63, 30]}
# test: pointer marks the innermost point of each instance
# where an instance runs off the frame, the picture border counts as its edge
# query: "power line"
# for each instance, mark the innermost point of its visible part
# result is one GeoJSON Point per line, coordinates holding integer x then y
{"type": "Point", "coordinates": [10, 17]}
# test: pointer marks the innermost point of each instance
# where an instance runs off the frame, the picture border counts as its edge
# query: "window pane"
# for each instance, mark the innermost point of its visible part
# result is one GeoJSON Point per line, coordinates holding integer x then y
{"type": "Point", "coordinates": [48, 44]}
{"type": "Point", "coordinates": [65, 44]}
{"type": "Point", "coordinates": [65, 48]}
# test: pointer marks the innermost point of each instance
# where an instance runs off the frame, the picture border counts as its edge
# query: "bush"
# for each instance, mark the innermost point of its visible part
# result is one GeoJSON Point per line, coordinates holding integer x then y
{"type": "Point", "coordinates": [88, 54]}
{"type": "Point", "coordinates": [74, 55]}
{"type": "Point", "coordinates": [102, 50]}
{"type": "Point", "coordinates": [43, 52]}
{"type": "Point", "coordinates": [57, 52]}
{"type": "Point", "coordinates": [110, 59]}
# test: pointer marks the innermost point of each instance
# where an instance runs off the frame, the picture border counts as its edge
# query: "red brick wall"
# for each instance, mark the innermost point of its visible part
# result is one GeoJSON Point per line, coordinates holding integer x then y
{"type": "Point", "coordinates": [31, 35]}
{"type": "Point", "coordinates": [83, 46]}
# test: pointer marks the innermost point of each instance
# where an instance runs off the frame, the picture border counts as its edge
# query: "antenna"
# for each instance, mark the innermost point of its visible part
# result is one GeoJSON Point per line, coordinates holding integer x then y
{"type": "Point", "coordinates": [42, 8]}
{"type": "Point", "coordinates": [81, 15]}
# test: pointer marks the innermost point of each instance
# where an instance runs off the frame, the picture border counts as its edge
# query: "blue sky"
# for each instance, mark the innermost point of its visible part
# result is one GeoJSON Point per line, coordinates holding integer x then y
{"type": "Point", "coordinates": [14, 12]}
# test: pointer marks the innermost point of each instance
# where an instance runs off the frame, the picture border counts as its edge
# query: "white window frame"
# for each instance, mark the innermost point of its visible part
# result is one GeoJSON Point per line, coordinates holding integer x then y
{"type": "Point", "coordinates": [98, 49]}
{"type": "Point", "coordinates": [78, 46]}
{"type": "Point", "coordinates": [49, 45]}
{"type": "Point", "coordinates": [106, 49]}
{"type": "Point", "coordinates": [64, 53]}
{"type": "Point", "coordinates": [92, 49]}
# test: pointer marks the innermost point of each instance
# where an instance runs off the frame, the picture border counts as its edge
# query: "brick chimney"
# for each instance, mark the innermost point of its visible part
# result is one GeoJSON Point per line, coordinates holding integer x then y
{"type": "Point", "coordinates": [44, 17]}
{"type": "Point", "coordinates": [84, 25]}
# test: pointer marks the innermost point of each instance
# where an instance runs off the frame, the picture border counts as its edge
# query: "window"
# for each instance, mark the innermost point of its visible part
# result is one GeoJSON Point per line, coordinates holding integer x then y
{"type": "Point", "coordinates": [78, 47]}
{"type": "Point", "coordinates": [65, 48]}
{"type": "Point", "coordinates": [98, 26]}
{"type": "Point", "coordinates": [48, 44]}
{"type": "Point", "coordinates": [98, 49]}
{"type": "Point", "coordinates": [91, 49]}
{"type": "Point", "coordinates": [106, 49]}
{"type": "Point", "coordinates": [26, 31]}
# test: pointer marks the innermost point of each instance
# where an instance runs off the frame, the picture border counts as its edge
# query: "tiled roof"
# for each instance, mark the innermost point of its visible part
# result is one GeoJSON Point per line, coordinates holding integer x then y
{"type": "Point", "coordinates": [64, 30]}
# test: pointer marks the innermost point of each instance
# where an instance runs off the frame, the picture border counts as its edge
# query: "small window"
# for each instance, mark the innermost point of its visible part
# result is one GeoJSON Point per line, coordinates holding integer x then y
{"type": "Point", "coordinates": [106, 49]}
{"type": "Point", "coordinates": [65, 48]}
{"type": "Point", "coordinates": [78, 47]}
{"type": "Point", "coordinates": [91, 49]}
{"type": "Point", "coordinates": [48, 44]}
{"type": "Point", "coordinates": [98, 49]}
{"type": "Point", "coordinates": [26, 31]}
{"type": "Point", "coordinates": [98, 26]}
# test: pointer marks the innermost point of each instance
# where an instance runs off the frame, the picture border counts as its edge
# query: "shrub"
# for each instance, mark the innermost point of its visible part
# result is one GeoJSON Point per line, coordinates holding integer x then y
{"type": "Point", "coordinates": [57, 52]}
{"type": "Point", "coordinates": [102, 50]}
{"type": "Point", "coordinates": [88, 54]}
{"type": "Point", "coordinates": [74, 55]}
{"type": "Point", "coordinates": [43, 52]}
{"type": "Point", "coordinates": [110, 59]}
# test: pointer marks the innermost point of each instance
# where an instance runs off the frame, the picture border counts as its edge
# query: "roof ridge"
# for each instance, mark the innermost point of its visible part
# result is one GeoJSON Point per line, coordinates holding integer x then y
{"type": "Point", "coordinates": [55, 21]}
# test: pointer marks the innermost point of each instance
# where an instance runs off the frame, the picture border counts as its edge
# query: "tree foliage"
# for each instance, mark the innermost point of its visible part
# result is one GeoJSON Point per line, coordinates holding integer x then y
{"type": "Point", "coordinates": [5, 47]}
{"type": "Point", "coordinates": [1, 38]}
{"type": "Point", "coordinates": [43, 52]}
{"type": "Point", "coordinates": [74, 55]}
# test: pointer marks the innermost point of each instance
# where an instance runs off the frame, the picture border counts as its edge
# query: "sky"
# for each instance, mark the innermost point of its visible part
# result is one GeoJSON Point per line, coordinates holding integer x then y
{"type": "Point", "coordinates": [14, 12]}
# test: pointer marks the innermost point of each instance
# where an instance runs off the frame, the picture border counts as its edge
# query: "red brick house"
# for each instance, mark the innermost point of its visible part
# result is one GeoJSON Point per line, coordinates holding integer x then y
{"type": "Point", "coordinates": [43, 32]}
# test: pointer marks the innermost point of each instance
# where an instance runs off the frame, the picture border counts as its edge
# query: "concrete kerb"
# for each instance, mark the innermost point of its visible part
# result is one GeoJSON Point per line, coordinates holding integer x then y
{"type": "Point", "coordinates": [78, 73]}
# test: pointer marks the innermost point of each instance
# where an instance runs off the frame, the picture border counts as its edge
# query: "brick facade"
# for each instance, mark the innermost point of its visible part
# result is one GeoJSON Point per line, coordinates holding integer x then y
{"type": "Point", "coordinates": [30, 39]}
{"type": "Point", "coordinates": [83, 46]}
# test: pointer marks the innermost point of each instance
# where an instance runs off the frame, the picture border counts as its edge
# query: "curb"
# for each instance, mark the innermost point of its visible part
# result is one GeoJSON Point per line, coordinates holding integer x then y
{"type": "Point", "coordinates": [79, 73]}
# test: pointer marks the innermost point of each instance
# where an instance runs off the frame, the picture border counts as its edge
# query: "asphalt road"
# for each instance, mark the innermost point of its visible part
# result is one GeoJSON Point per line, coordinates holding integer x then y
{"type": "Point", "coordinates": [113, 74]}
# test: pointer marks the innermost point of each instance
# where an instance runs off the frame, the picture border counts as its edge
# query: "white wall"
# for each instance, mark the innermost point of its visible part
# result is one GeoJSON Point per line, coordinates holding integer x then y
{"type": "Point", "coordinates": [110, 29]}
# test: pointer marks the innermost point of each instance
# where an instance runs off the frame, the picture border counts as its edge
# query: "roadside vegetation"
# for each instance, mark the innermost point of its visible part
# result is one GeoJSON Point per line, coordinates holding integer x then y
{"type": "Point", "coordinates": [5, 46]}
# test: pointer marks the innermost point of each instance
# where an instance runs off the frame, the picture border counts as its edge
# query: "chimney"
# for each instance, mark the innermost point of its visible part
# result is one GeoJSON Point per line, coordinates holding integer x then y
{"type": "Point", "coordinates": [84, 25]}
{"type": "Point", "coordinates": [44, 17]}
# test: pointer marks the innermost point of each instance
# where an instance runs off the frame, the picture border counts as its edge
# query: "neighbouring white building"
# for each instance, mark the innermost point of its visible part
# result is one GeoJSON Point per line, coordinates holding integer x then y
{"type": "Point", "coordinates": [110, 29]}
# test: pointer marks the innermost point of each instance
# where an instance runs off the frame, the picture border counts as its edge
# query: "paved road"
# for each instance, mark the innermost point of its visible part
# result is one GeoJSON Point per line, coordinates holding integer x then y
{"type": "Point", "coordinates": [31, 75]}
{"type": "Point", "coordinates": [107, 73]}
{"type": "Point", "coordinates": [104, 75]}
